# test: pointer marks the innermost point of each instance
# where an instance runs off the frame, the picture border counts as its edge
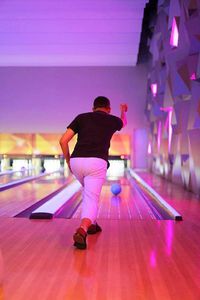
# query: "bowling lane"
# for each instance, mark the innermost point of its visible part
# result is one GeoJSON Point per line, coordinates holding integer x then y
{"type": "Point", "coordinates": [19, 198]}
{"type": "Point", "coordinates": [129, 204]}
{"type": "Point", "coordinates": [12, 177]}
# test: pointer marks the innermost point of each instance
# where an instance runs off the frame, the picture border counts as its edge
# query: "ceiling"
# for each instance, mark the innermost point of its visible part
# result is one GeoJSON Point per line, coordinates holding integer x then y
{"type": "Point", "coordinates": [70, 32]}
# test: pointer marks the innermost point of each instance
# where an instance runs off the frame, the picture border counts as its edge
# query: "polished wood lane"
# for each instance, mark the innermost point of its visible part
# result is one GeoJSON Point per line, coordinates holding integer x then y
{"type": "Point", "coordinates": [129, 204]}
{"type": "Point", "coordinates": [185, 202]}
{"type": "Point", "coordinates": [19, 198]}
{"type": "Point", "coordinates": [128, 260]}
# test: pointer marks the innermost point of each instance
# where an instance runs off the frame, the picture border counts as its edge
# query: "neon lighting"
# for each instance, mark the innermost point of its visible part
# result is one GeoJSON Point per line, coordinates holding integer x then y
{"type": "Point", "coordinates": [193, 76]}
{"type": "Point", "coordinates": [149, 148]}
{"type": "Point", "coordinates": [154, 89]}
{"type": "Point", "coordinates": [170, 129]}
{"type": "Point", "coordinates": [159, 135]}
{"type": "Point", "coordinates": [174, 34]}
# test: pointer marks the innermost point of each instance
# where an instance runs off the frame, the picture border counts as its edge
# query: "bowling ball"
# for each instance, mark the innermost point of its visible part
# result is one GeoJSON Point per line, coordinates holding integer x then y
{"type": "Point", "coordinates": [115, 188]}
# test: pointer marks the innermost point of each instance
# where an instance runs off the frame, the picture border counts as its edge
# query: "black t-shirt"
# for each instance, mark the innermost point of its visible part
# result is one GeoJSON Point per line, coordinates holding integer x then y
{"type": "Point", "coordinates": [95, 130]}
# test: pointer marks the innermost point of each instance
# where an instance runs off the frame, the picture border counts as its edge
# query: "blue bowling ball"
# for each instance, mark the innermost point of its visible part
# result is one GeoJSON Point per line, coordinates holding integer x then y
{"type": "Point", "coordinates": [115, 188]}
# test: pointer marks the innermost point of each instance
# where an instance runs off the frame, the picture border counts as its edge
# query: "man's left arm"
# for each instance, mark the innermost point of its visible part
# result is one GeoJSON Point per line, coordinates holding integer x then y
{"type": "Point", "coordinates": [123, 109]}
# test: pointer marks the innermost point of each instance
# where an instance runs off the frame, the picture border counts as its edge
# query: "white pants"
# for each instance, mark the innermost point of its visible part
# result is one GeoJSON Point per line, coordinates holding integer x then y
{"type": "Point", "coordinates": [91, 173]}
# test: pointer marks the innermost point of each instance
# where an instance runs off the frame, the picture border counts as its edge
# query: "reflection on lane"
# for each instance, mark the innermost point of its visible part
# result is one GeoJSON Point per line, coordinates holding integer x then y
{"type": "Point", "coordinates": [19, 198]}
{"type": "Point", "coordinates": [7, 178]}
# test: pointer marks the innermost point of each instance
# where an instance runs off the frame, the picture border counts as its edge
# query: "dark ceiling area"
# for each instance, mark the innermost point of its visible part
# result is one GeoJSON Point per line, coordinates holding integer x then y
{"type": "Point", "coordinates": [149, 19]}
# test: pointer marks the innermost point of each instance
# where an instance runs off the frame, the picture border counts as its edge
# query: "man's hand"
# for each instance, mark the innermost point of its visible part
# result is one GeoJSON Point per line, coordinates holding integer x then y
{"type": "Point", "coordinates": [123, 107]}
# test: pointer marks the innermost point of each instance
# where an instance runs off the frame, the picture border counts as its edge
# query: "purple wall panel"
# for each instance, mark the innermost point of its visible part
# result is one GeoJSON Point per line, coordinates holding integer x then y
{"type": "Point", "coordinates": [178, 90]}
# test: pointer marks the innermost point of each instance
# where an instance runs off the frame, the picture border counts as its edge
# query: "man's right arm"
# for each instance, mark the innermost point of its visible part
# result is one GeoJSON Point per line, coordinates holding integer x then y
{"type": "Point", "coordinates": [66, 137]}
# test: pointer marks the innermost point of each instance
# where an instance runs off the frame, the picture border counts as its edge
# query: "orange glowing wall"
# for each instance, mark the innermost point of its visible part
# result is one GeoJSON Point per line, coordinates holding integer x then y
{"type": "Point", "coordinates": [120, 145]}
{"type": "Point", "coordinates": [48, 144]}
{"type": "Point", "coordinates": [18, 144]}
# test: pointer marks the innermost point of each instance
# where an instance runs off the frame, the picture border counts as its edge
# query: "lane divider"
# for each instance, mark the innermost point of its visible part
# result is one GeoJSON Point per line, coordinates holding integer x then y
{"type": "Point", "coordinates": [55, 204]}
{"type": "Point", "coordinates": [159, 200]}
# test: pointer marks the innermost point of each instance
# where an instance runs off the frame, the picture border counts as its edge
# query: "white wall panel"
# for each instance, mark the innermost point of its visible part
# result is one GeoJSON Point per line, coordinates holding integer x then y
{"type": "Point", "coordinates": [46, 99]}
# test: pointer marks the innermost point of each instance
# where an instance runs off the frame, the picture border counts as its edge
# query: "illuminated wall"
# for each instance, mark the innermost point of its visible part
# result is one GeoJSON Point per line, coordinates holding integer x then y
{"type": "Point", "coordinates": [173, 93]}
{"type": "Point", "coordinates": [48, 144]}
{"type": "Point", "coordinates": [16, 143]}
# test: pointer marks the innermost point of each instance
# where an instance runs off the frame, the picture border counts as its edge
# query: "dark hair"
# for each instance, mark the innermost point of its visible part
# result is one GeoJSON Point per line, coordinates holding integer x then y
{"type": "Point", "coordinates": [101, 101]}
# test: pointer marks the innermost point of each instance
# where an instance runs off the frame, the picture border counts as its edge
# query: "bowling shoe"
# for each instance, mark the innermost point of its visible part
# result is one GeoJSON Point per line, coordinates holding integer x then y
{"type": "Point", "coordinates": [80, 238]}
{"type": "Point", "coordinates": [94, 228]}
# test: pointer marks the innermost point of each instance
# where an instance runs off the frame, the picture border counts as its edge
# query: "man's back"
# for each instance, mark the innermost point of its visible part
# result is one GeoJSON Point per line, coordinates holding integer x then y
{"type": "Point", "coordinates": [94, 130]}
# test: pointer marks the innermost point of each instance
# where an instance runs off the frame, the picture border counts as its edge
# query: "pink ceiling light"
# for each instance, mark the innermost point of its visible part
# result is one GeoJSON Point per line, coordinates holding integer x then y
{"type": "Point", "coordinates": [154, 89]}
{"type": "Point", "coordinates": [149, 148]}
{"type": "Point", "coordinates": [159, 135]}
{"type": "Point", "coordinates": [174, 34]}
{"type": "Point", "coordinates": [193, 76]}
